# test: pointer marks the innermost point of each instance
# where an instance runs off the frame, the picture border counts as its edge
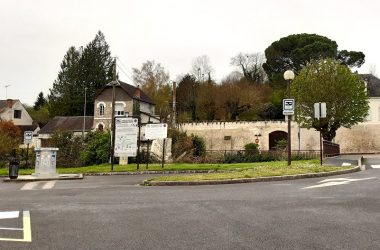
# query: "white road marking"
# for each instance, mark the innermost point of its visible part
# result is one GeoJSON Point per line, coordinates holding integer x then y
{"type": "Point", "coordinates": [49, 185]}
{"type": "Point", "coordinates": [9, 215]}
{"type": "Point", "coordinates": [30, 185]}
{"type": "Point", "coordinates": [336, 182]}
{"type": "Point", "coordinates": [375, 166]}
{"type": "Point", "coordinates": [27, 230]}
{"type": "Point", "coordinates": [345, 164]}
{"type": "Point", "coordinates": [10, 228]}
{"type": "Point", "coordinates": [33, 185]}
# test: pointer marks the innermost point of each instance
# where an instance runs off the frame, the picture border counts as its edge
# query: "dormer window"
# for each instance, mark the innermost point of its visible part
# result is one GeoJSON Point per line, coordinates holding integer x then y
{"type": "Point", "coordinates": [101, 110]}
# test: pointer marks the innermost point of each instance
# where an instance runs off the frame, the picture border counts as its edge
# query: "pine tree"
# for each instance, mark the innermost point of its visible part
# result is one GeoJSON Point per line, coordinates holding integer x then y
{"type": "Point", "coordinates": [41, 101]}
{"type": "Point", "coordinates": [90, 68]}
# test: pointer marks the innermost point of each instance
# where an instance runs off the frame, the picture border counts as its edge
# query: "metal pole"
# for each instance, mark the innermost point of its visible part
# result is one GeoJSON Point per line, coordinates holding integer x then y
{"type": "Point", "coordinates": [138, 143]}
{"type": "Point", "coordinates": [84, 112]}
{"type": "Point", "coordinates": [163, 153]}
{"type": "Point", "coordinates": [27, 151]}
{"type": "Point", "coordinates": [174, 104]}
{"type": "Point", "coordinates": [289, 142]}
{"type": "Point", "coordinates": [147, 161]}
{"type": "Point", "coordinates": [289, 133]}
{"type": "Point", "coordinates": [113, 116]}
{"type": "Point", "coordinates": [320, 145]}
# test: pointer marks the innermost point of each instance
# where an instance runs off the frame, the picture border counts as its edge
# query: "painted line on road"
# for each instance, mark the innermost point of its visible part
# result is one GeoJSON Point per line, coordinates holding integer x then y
{"type": "Point", "coordinates": [375, 166]}
{"type": "Point", "coordinates": [337, 182]}
{"type": "Point", "coordinates": [29, 185]}
{"type": "Point", "coordinates": [49, 185]}
{"type": "Point", "coordinates": [11, 228]}
{"type": "Point", "coordinates": [9, 215]}
{"type": "Point", "coordinates": [27, 230]}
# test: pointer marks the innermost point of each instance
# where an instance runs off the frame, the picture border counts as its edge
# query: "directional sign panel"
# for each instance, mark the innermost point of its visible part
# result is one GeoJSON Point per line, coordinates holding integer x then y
{"type": "Point", "coordinates": [288, 106]}
{"type": "Point", "coordinates": [156, 131]}
{"type": "Point", "coordinates": [126, 131]}
{"type": "Point", "coordinates": [28, 137]}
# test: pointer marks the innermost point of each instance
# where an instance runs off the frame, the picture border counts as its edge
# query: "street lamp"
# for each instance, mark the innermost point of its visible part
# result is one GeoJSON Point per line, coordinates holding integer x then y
{"type": "Point", "coordinates": [289, 76]}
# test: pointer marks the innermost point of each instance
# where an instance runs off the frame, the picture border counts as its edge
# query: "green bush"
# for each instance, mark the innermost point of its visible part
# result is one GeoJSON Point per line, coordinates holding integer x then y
{"type": "Point", "coordinates": [281, 144]}
{"type": "Point", "coordinates": [251, 149]}
{"type": "Point", "coordinates": [70, 148]}
{"type": "Point", "coordinates": [180, 142]}
{"type": "Point", "coordinates": [199, 146]}
{"type": "Point", "coordinates": [97, 148]}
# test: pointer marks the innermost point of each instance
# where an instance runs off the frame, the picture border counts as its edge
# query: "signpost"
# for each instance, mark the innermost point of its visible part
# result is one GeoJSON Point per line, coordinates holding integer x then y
{"type": "Point", "coordinates": [288, 110]}
{"type": "Point", "coordinates": [155, 131]}
{"type": "Point", "coordinates": [28, 137]}
{"type": "Point", "coordinates": [320, 112]}
{"type": "Point", "coordinates": [126, 132]}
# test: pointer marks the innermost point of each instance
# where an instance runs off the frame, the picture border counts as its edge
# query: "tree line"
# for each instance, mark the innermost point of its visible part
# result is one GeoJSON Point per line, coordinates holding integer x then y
{"type": "Point", "coordinates": [254, 91]}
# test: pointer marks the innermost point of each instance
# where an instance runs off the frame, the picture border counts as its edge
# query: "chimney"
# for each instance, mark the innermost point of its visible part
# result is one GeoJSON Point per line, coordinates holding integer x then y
{"type": "Point", "coordinates": [137, 92]}
{"type": "Point", "coordinates": [9, 103]}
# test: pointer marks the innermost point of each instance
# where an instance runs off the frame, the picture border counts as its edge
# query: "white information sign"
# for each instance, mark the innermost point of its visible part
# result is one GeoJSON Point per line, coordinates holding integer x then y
{"type": "Point", "coordinates": [319, 110]}
{"type": "Point", "coordinates": [126, 132]}
{"type": "Point", "coordinates": [156, 131]}
{"type": "Point", "coordinates": [28, 137]}
{"type": "Point", "coordinates": [288, 106]}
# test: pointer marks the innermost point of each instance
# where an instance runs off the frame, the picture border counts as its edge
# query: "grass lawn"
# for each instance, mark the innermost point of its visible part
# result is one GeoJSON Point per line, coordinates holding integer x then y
{"type": "Point", "coordinates": [263, 170]}
{"type": "Point", "coordinates": [275, 167]}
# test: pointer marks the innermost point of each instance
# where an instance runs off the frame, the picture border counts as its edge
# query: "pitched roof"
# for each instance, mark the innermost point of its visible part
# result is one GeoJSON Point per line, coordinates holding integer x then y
{"type": "Point", "coordinates": [373, 84]}
{"type": "Point", "coordinates": [67, 123]}
{"type": "Point", "coordinates": [3, 103]}
{"type": "Point", "coordinates": [130, 90]}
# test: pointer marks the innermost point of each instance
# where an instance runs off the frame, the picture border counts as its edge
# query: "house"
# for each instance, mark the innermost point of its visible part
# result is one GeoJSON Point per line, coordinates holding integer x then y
{"type": "Point", "coordinates": [127, 98]}
{"type": "Point", "coordinates": [79, 125]}
{"type": "Point", "coordinates": [13, 110]}
{"type": "Point", "coordinates": [372, 85]}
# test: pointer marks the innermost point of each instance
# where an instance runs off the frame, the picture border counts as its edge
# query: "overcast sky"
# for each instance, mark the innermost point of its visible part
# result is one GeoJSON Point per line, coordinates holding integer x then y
{"type": "Point", "coordinates": [35, 34]}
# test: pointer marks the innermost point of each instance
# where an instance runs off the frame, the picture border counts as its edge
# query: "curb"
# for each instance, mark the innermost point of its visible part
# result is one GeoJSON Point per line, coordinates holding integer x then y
{"type": "Point", "coordinates": [250, 180]}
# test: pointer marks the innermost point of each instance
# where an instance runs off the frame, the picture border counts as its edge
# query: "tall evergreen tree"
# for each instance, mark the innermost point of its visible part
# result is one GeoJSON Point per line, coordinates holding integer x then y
{"type": "Point", "coordinates": [40, 102]}
{"type": "Point", "coordinates": [90, 69]}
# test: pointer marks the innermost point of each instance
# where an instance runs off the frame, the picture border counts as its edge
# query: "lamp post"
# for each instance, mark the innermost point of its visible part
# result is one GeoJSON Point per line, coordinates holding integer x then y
{"type": "Point", "coordinates": [84, 111]}
{"type": "Point", "coordinates": [289, 76]}
{"type": "Point", "coordinates": [6, 91]}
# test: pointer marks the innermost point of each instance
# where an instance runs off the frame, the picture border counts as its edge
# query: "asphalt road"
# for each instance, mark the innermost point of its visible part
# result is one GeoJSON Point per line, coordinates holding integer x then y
{"type": "Point", "coordinates": [112, 212]}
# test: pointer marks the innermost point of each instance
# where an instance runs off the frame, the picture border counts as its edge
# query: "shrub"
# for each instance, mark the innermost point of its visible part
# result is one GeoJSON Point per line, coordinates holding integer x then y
{"type": "Point", "coordinates": [251, 149]}
{"type": "Point", "coordinates": [97, 148]}
{"type": "Point", "coordinates": [281, 144]}
{"type": "Point", "coordinates": [70, 148]}
{"type": "Point", "coordinates": [10, 137]}
{"type": "Point", "coordinates": [199, 146]}
{"type": "Point", "coordinates": [180, 142]}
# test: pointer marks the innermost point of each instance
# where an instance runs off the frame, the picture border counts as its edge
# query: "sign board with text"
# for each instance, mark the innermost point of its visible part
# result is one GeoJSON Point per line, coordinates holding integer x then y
{"type": "Point", "coordinates": [155, 131]}
{"type": "Point", "coordinates": [126, 132]}
{"type": "Point", "coordinates": [288, 106]}
{"type": "Point", "coordinates": [28, 137]}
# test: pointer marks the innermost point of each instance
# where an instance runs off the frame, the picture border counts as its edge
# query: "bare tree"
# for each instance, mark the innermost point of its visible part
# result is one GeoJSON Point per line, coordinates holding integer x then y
{"type": "Point", "coordinates": [202, 69]}
{"type": "Point", "coordinates": [251, 66]}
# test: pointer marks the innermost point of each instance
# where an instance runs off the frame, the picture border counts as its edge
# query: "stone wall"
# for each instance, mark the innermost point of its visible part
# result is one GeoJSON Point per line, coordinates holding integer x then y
{"type": "Point", "coordinates": [234, 135]}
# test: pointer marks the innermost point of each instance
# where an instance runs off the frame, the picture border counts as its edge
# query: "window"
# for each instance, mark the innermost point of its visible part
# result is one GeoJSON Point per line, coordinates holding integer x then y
{"type": "Point", "coordinates": [119, 109]}
{"type": "Point", "coordinates": [101, 110]}
{"type": "Point", "coordinates": [17, 114]}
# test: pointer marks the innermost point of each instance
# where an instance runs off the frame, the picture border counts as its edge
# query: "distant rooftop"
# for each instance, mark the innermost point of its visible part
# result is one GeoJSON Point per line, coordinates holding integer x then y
{"type": "Point", "coordinates": [373, 84]}
{"type": "Point", "coordinates": [67, 123]}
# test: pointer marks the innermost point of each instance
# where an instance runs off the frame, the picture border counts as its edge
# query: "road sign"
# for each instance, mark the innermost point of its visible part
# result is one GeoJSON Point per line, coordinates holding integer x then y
{"type": "Point", "coordinates": [28, 137]}
{"type": "Point", "coordinates": [288, 106]}
{"type": "Point", "coordinates": [156, 131]}
{"type": "Point", "coordinates": [319, 110]}
{"type": "Point", "coordinates": [126, 130]}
